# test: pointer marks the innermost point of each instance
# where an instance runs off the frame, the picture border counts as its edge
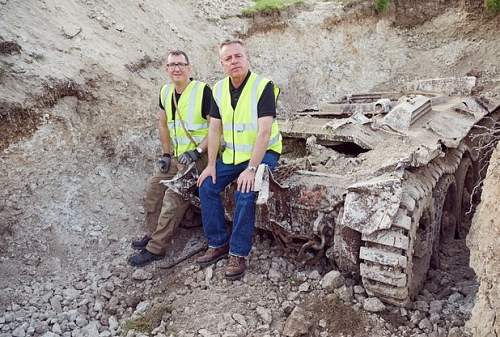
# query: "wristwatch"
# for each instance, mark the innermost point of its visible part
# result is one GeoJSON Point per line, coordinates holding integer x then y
{"type": "Point", "coordinates": [251, 168]}
{"type": "Point", "coordinates": [199, 150]}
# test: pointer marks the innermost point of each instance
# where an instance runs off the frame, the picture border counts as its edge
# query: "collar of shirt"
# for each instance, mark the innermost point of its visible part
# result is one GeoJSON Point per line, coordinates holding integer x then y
{"type": "Point", "coordinates": [236, 92]}
{"type": "Point", "coordinates": [240, 88]}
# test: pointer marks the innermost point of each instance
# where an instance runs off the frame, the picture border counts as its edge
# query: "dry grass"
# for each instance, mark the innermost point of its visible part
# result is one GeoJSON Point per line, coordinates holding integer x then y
{"type": "Point", "coordinates": [269, 6]}
{"type": "Point", "coordinates": [149, 321]}
{"type": "Point", "coordinates": [340, 317]}
{"type": "Point", "coordinates": [381, 5]}
{"type": "Point", "coordinates": [492, 5]}
{"type": "Point", "coordinates": [9, 47]}
{"type": "Point", "coordinates": [18, 121]}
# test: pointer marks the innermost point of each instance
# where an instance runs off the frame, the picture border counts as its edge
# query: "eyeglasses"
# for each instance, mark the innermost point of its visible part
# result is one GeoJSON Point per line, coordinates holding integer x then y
{"type": "Point", "coordinates": [178, 65]}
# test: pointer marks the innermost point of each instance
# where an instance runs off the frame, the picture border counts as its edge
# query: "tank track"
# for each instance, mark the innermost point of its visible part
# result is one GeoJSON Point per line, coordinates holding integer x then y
{"type": "Point", "coordinates": [388, 255]}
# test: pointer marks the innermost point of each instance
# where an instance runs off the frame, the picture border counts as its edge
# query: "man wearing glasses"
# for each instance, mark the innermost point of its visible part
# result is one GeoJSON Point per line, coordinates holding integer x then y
{"type": "Point", "coordinates": [243, 111]}
{"type": "Point", "coordinates": [183, 127]}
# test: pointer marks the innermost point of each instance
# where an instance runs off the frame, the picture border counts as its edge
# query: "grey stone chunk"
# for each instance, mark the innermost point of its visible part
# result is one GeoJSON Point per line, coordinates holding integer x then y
{"type": "Point", "coordinates": [425, 325]}
{"type": "Point", "coordinates": [456, 332]}
{"type": "Point", "coordinates": [359, 290]}
{"type": "Point", "coordinates": [40, 327]}
{"type": "Point", "coordinates": [81, 321]}
{"type": "Point", "coordinates": [205, 333]}
{"type": "Point", "coordinates": [416, 317]}
{"type": "Point", "coordinates": [19, 332]}
{"type": "Point", "coordinates": [113, 323]}
{"type": "Point", "coordinates": [345, 293]}
{"type": "Point", "coordinates": [297, 324]}
{"type": "Point", "coordinates": [265, 314]}
{"type": "Point", "coordinates": [332, 280]}
{"type": "Point", "coordinates": [314, 275]}
{"type": "Point", "coordinates": [55, 302]}
{"type": "Point", "coordinates": [91, 330]}
{"type": "Point", "coordinates": [373, 304]}
{"type": "Point", "coordinates": [56, 328]}
{"type": "Point", "coordinates": [435, 306]}
{"type": "Point", "coordinates": [304, 287]}
{"type": "Point", "coordinates": [274, 275]}
{"type": "Point", "coordinates": [71, 293]}
{"type": "Point", "coordinates": [50, 334]}
{"type": "Point", "coordinates": [421, 305]}
{"type": "Point", "coordinates": [434, 318]}
{"type": "Point", "coordinates": [455, 297]}
{"type": "Point", "coordinates": [142, 275]}
{"type": "Point", "coordinates": [9, 317]}
{"type": "Point", "coordinates": [142, 307]}
{"type": "Point", "coordinates": [240, 319]}
{"type": "Point", "coordinates": [467, 307]}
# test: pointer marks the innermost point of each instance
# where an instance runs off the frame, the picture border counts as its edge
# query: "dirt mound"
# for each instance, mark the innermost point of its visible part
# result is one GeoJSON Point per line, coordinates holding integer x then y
{"type": "Point", "coordinates": [483, 242]}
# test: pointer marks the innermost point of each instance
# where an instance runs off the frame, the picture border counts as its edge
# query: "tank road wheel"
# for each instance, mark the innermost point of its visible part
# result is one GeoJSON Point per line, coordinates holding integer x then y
{"type": "Point", "coordinates": [422, 240]}
{"type": "Point", "coordinates": [466, 177]}
{"type": "Point", "coordinates": [445, 201]}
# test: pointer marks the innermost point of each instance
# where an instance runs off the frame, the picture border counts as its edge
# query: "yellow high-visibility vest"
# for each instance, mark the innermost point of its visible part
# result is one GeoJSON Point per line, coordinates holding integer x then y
{"type": "Point", "coordinates": [240, 126]}
{"type": "Point", "coordinates": [189, 107]}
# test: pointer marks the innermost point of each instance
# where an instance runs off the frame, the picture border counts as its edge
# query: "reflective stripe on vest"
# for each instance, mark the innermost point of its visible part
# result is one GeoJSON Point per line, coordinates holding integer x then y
{"type": "Point", "coordinates": [240, 125]}
{"type": "Point", "coordinates": [189, 107]}
{"type": "Point", "coordinates": [185, 140]}
{"type": "Point", "coordinates": [248, 148]}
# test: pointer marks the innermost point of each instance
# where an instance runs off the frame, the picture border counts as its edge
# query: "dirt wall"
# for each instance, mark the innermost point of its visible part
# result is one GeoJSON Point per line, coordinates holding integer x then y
{"type": "Point", "coordinates": [415, 12]}
{"type": "Point", "coordinates": [483, 241]}
{"type": "Point", "coordinates": [411, 13]}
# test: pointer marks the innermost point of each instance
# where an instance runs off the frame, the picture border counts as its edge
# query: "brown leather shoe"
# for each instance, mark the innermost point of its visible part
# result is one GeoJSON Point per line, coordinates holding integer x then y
{"type": "Point", "coordinates": [236, 267]}
{"type": "Point", "coordinates": [212, 255]}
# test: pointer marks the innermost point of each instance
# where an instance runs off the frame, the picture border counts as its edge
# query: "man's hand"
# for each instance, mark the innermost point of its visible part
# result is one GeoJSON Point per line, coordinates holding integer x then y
{"type": "Point", "coordinates": [209, 171]}
{"type": "Point", "coordinates": [189, 157]}
{"type": "Point", "coordinates": [164, 162]}
{"type": "Point", "coordinates": [246, 180]}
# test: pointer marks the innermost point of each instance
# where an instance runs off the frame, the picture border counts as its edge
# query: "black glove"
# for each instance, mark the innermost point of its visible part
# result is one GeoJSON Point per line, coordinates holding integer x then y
{"type": "Point", "coordinates": [164, 162]}
{"type": "Point", "coordinates": [189, 157]}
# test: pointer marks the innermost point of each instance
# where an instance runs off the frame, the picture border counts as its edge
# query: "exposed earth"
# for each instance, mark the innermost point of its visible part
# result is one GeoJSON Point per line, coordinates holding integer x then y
{"type": "Point", "coordinates": [78, 102]}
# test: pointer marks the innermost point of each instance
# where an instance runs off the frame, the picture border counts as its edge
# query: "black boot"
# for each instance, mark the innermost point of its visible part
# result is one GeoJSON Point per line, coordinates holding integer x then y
{"type": "Point", "coordinates": [141, 243]}
{"type": "Point", "coordinates": [143, 258]}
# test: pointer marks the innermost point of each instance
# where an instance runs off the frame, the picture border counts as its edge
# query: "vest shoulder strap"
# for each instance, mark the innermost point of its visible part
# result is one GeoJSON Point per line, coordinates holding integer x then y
{"type": "Point", "coordinates": [217, 92]}
{"type": "Point", "coordinates": [163, 94]}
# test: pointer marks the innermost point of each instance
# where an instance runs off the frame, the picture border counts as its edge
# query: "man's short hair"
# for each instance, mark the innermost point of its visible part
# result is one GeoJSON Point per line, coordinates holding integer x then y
{"type": "Point", "coordinates": [178, 52]}
{"type": "Point", "coordinates": [231, 41]}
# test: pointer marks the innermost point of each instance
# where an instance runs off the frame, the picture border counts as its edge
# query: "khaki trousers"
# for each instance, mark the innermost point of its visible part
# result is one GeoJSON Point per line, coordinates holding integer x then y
{"type": "Point", "coordinates": [164, 208]}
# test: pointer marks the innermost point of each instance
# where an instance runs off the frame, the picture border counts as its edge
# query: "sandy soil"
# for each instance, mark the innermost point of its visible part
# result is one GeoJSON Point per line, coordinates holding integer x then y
{"type": "Point", "coordinates": [485, 258]}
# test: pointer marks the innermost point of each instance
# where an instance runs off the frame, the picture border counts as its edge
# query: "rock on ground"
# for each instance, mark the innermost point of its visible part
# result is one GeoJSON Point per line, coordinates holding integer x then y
{"type": "Point", "coordinates": [373, 304]}
{"type": "Point", "coordinates": [332, 280]}
{"type": "Point", "coordinates": [297, 324]}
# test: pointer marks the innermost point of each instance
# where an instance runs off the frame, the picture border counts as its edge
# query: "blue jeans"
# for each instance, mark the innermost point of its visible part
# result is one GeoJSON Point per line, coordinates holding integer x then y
{"type": "Point", "coordinates": [212, 210]}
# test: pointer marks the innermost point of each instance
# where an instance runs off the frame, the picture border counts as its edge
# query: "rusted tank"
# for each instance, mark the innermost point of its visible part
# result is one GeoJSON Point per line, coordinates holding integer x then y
{"type": "Point", "coordinates": [376, 182]}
